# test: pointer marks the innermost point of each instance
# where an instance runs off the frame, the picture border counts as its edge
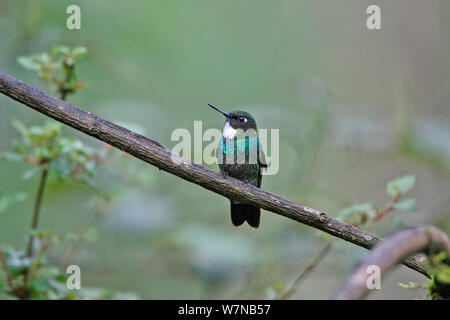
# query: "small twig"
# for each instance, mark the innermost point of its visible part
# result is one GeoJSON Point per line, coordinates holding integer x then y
{"type": "Point", "coordinates": [35, 222]}
{"type": "Point", "coordinates": [61, 86]}
{"type": "Point", "coordinates": [294, 287]}
{"type": "Point", "coordinates": [404, 243]}
{"type": "Point", "coordinates": [63, 94]}
{"type": "Point", "coordinates": [37, 210]}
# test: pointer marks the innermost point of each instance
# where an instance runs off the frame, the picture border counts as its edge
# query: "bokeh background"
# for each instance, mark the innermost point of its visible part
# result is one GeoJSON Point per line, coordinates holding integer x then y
{"type": "Point", "coordinates": [355, 109]}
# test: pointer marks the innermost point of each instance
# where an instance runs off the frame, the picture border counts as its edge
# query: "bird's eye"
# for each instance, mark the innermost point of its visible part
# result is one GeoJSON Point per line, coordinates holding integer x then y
{"type": "Point", "coordinates": [242, 119]}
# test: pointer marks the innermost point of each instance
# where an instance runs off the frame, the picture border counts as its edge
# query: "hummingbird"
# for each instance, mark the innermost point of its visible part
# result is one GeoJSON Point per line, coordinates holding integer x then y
{"type": "Point", "coordinates": [240, 156]}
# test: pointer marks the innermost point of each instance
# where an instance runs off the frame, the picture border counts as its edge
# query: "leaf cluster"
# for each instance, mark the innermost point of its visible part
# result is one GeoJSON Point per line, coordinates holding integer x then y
{"type": "Point", "coordinates": [57, 68]}
{"type": "Point", "coordinates": [365, 214]}
{"type": "Point", "coordinates": [65, 157]}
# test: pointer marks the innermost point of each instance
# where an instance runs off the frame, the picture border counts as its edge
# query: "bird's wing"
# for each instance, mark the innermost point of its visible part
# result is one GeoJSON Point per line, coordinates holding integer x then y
{"type": "Point", "coordinates": [262, 158]}
{"type": "Point", "coordinates": [219, 152]}
{"type": "Point", "coordinates": [262, 163]}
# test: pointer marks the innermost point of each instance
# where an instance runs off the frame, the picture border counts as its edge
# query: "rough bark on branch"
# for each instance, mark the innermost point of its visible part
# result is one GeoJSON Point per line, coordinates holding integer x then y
{"type": "Point", "coordinates": [152, 152]}
{"type": "Point", "coordinates": [404, 243]}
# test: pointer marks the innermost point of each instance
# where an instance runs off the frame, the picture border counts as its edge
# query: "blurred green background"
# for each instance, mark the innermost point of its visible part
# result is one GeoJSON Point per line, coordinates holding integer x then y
{"type": "Point", "coordinates": [355, 109]}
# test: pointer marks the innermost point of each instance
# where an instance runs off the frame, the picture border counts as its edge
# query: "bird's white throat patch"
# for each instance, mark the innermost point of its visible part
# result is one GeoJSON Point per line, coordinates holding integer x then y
{"type": "Point", "coordinates": [228, 131]}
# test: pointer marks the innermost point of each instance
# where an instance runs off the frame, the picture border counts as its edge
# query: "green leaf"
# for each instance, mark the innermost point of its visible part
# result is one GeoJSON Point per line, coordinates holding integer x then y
{"type": "Point", "coordinates": [60, 49]}
{"type": "Point", "coordinates": [39, 285]}
{"type": "Point", "coordinates": [78, 51]}
{"type": "Point", "coordinates": [62, 278]}
{"type": "Point", "coordinates": [49, 271]}
{"type": "Point", "coordinates": [43, 58]}
{"type": "Point", "coordinates": [399, 223]}
{"type": "Point", "coordinates": [17, 261]}
{"type": "Point", "coordinates": [439, 269]}
{"type": "Point", "coordinates": [72, 295]}
{"type": "Point", "coordinates": [68, 62]}
{"type": "Point", "coordinates": [406, 205]}
{"type": "Point", "coordinates": [357, 208]}
{"type": "Point", "coordinates": [20, 127]}
{"type": "Point", "coordinates": [37, 131]}
{"type": "Point", "coordinates": [30, 173]}
{"type": "Point", "coordinates": [11, 156]}
{"type": "Point", "coordinates": [29, 63]}
{"type": "Point", "coordinates": [54, 128]}
{"type": "Point", "coordinates": [8, 201]}
{"type": "Point", "coordinates": [60, 168]}
{"type": "Point", "coordinates": [400, 185]}
{"type": "Point", "coordinates": [90, 167]}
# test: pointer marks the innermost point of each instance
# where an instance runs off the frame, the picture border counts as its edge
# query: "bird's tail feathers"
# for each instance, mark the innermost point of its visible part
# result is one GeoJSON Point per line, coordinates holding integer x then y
{"type": "Point", "coordinates": [243, 212]}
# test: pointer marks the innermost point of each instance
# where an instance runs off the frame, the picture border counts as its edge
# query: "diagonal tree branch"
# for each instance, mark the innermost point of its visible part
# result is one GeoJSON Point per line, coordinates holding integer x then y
{"type": "Point", "coordinates": [427, 239]}
{"type": "Point", "coordinates": [154, 153]}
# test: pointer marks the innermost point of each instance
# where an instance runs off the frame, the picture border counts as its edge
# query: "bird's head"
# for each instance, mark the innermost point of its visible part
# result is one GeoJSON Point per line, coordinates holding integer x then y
{"type": "Point", "coordinates": [238, 119]}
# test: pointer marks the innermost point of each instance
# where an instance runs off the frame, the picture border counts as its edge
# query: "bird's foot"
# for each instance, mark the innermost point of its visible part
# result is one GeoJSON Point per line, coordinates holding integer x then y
{"type": "Point", "coordinates": [224, 174]}
{"type": "Point", "coordinates": [244, 182]}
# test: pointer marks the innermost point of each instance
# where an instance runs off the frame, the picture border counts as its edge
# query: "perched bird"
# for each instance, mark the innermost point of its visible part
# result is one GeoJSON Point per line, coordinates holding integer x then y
{"type": "Point", "coordinates": [240, 156]}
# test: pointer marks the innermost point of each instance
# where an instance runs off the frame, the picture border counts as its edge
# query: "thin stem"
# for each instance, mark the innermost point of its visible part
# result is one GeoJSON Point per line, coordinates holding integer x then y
{"type": "Point", "coordinates": [63, 94]}
{"type": "Point", "coordinates": [306, 272]}
{"type": "Point", "coordinates": [35, 220]}
{"type": "Point", "coordinates": [62, 90]}
{"type": "Point", "coordinates": [37, 210]}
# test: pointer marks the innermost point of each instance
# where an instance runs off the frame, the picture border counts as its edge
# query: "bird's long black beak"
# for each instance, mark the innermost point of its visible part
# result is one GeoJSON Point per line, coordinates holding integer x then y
{"type": "Point", "coordinates": [217, 109]}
